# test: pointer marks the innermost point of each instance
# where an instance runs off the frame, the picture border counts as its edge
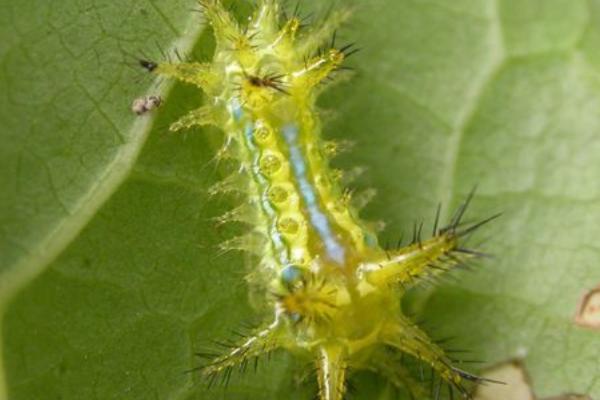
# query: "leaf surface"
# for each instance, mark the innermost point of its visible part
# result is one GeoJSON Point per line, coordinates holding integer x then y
{"type": "Point", "coordinates": [503, 94]}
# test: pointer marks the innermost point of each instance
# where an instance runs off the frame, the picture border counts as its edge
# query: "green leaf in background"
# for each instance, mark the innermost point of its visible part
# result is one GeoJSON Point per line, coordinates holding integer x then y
{"type": "Point", "coordinates": [504, 94]}
{"type": "Point", "coordinates": [68, 139]}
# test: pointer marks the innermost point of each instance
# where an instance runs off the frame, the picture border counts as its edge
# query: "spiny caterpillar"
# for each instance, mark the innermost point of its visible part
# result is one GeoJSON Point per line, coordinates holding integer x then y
{"type": "Point", "coordinates": [335, 293]}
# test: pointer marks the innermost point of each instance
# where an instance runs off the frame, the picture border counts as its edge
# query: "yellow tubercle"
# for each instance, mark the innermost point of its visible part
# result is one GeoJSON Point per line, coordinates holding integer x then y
{"type": "Point", "coordinates": [201, 75]}
{"type": "Point", "coordinates": [316, 70]}
{"type": "Point", "coordinates": [205, 115]}
{"type": "Point", "coordinates": [406, 264]}
{"type": "Point", "coordinates": [226, 29]}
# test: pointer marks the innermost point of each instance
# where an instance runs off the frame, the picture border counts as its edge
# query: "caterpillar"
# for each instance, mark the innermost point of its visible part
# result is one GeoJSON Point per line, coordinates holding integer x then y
{"type": "Point", "coordinates": [334, 293]}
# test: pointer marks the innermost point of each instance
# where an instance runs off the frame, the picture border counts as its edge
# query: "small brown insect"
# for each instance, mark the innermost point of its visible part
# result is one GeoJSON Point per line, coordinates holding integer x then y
{"type": "Point", "coordinates": [142, 105]}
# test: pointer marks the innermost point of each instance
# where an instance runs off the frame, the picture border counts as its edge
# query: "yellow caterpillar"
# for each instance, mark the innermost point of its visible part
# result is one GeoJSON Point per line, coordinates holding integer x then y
{"type": "Point", "coordinates": [334, 292]}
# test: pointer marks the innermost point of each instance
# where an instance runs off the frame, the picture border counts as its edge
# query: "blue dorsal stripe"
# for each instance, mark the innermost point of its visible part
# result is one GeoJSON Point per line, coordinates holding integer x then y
{"type": "Point", "coordinates": [318, 219]}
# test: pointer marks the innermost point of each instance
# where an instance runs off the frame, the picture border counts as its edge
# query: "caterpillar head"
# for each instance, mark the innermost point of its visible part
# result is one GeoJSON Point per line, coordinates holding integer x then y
{"type": "Point", "coordinates": [265, 63]}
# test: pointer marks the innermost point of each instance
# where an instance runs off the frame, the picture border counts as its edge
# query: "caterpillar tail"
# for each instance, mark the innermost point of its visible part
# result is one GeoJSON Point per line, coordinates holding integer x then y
{"type": "Point", "coordinates": [331, 372]}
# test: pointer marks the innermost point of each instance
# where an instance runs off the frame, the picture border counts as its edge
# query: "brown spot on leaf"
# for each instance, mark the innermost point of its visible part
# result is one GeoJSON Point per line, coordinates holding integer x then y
{"type": "Point", "coordinates": [517, 387]}
{"type": "Point", "coordinates": [588, 312]}
{"type": "Point", "coordinates": [517, 384]}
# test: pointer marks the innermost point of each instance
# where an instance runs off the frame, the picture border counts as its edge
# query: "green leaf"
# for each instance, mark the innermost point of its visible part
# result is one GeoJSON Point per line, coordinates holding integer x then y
{"type": "Point", "coordinates": [503, 94]}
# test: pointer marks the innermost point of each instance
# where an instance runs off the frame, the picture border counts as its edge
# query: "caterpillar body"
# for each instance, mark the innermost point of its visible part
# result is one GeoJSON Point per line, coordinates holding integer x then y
{"type": "Point", "coordinates": [334, 292]}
